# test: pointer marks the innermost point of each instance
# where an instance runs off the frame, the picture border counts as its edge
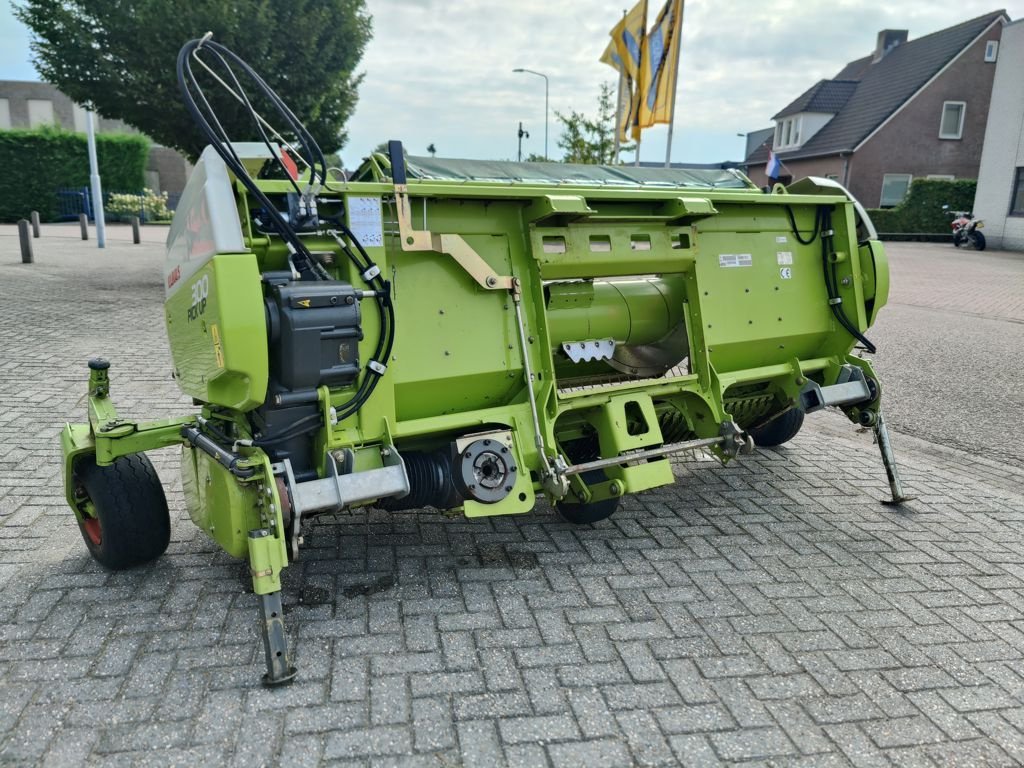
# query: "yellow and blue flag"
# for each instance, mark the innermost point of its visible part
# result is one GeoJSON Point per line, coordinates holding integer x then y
{"type": "Point", "coordinates": [658, 69]}
{"type": "Point", "coordinates": [611, 57]}
{"type": "Point", "coordinates": [625, 53]}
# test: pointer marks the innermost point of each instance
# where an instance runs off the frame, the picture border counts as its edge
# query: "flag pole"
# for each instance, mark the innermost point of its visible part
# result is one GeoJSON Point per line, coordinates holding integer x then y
{"type": "Point", "coordinates": [675, 87]}
{"type": "Point", "coordinates": [618, 104]}
{"type": "Point", "coordinates": [618, 116]}
{"type": "Point", "coordinates": [636, 163]}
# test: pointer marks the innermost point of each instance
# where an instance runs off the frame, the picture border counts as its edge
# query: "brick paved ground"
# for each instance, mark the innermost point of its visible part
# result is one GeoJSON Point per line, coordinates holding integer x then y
{"type": "Point", "coordinates": [771, 612]}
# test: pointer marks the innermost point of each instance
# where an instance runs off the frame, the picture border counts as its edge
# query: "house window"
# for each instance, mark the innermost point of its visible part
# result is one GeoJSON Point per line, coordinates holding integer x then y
{"type": "Point", "coordinates": [894, 188]}
{"type": "Point", "coordinates": [5, 114]}
{"type": "Point", "coordinates": [787, 133]}
{"type": "Point", "coordinates": [40, 112]}
{"type": "Point", "coordinates": [952, 125]}
{"type": "Point", "coordinates": [991, 50]}
{"type": "Point", "coordinates": [1017, 201]}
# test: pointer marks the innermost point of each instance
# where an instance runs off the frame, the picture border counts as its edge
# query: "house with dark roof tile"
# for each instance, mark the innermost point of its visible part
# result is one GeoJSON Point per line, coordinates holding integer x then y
{"type": "Point", "coordinates": [911, 109]}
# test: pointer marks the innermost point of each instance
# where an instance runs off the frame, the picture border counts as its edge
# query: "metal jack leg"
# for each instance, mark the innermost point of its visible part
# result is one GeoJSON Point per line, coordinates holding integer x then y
{"type": "Point", "coordinates": [275, 643]}
{"type": "Point", "coordinates": [885, 446]}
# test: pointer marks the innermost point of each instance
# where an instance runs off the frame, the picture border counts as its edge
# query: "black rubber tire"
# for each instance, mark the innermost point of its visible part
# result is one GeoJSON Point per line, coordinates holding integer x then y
{"type": "Point", "coordinates": [958, 239]}
{"type": "Point", "coordinates": [977, 240]}
{"type": "Point", "coordinates": [585, 514]}
{"type": "Point", "coordinates": [134, 525]}
{"type": "Point", "coordinates": [779, 430]}
{"type": "Point", "coordinates": [595, 511]}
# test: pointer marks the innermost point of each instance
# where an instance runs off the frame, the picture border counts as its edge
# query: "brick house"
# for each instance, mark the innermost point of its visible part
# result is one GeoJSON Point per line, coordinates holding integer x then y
{"type": "Point", "coordinates": [29, 104]}
{"type": "Point", "coordinates": [910, 109]}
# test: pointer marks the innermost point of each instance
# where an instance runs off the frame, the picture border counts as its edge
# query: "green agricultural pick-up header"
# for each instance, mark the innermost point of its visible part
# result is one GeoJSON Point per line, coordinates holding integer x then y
{"type": "Point", "coordinates": [467, 336]}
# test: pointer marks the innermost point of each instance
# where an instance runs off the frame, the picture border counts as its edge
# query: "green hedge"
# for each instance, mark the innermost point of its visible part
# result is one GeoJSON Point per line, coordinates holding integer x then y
{"type": "Point", "coordinates": [921, 210]}
{"type": "Point", "coordinates": [35, 164]}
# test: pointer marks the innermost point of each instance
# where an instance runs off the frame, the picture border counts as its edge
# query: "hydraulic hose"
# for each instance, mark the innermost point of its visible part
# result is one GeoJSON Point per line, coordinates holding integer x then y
{"type": "Point", "coordinates": [823, 230]}
{"type": "Point", "coordinates": [206, 120]}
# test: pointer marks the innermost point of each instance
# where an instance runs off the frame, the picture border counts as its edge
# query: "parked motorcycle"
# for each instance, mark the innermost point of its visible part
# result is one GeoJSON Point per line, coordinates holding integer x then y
{"type": "Point", "coordinates": [966, 230]}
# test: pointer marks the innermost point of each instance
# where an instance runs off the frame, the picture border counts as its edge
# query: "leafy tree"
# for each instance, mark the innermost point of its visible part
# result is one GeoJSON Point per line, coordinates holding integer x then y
{"type": "Point", "coordinates": [591, 140]}
{"type": "Point", "coordinates": [118, 57]}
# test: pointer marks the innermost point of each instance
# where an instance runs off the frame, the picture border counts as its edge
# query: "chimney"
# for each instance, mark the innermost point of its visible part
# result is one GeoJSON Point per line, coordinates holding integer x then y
{"type": "Point", "coordinates": [887, 40]}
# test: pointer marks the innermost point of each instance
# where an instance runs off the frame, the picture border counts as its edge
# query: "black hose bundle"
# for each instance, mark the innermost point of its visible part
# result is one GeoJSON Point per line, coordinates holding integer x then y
{"type": "Point", "coordinates": [309, 151]}
{"type": "Point", "coordinates": [206, 120]}
{"type": "Point", "coordinates": [823, 228]}
{"type": "Point", "coordinates": [386, 311]}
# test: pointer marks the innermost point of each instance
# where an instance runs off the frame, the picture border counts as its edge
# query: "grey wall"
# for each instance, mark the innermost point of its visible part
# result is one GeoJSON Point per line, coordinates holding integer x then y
{"type": "Point", "coordinates": [1004, 145]}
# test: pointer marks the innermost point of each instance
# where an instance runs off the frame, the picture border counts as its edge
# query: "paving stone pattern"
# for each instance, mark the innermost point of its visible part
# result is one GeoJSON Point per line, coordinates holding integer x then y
{"type": "Point", "coordinates": [771, 612]}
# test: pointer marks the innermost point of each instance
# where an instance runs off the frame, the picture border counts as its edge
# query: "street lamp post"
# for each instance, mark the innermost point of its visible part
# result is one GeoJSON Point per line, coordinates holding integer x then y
{"type": "Point", "coordinates": [540, 74]}
{"type": "Point", "coordinates": [94, 180]}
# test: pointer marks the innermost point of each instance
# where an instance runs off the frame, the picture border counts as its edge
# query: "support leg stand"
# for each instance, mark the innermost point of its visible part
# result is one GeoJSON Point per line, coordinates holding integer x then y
{"type": "Point", "coordinates": [275, 643]}
{"type": "Point", "coordinates": [885, 446]}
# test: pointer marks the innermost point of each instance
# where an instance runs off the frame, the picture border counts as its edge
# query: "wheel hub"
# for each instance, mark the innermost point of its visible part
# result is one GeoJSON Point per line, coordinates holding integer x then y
{"type": "Point", "coordinates": [485, 471]}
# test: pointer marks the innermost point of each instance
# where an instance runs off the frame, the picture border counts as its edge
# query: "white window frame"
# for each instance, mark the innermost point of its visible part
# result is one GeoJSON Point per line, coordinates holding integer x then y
{"type": "Point", "coordinates": [960, 127]}
{"type": "Point", "coordinates": [991, 51]}
{"type": "Point", "coordinates": [787, 132]}
{"type": "Point", "coordinates": [941, 176]}
{"type": "Point", "coordinates": [881, 199]}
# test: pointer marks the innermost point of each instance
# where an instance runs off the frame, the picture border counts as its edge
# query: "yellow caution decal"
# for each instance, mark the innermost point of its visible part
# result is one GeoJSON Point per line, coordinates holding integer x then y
{"type": "Point", "coordinates": [218, 350]}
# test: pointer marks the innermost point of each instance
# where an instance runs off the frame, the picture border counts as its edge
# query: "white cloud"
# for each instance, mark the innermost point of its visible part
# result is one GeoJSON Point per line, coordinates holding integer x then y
{"type": "Point", "coordinates": [441, 72]}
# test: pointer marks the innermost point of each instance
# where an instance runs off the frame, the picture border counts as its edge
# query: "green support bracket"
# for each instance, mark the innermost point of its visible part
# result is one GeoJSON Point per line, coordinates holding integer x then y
{"type": "Point", "coordinates": [685, 210]}
{"type": "Point", "coordinates": [557, 210]}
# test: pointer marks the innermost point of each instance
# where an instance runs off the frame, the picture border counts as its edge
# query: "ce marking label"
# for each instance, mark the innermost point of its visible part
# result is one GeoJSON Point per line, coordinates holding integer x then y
{"type": "Point", "coordinates": [786, 273]}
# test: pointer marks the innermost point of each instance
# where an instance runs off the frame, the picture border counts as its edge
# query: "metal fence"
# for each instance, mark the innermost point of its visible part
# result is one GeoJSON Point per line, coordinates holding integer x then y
{"type": "Point", "coordinates": [73, 201]}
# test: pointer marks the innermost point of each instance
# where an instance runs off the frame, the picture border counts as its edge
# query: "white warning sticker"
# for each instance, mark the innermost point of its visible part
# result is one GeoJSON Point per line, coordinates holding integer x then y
{"type": "Point", "coordinates": [365, 220]}
{"type": "Point", "coordinates": [781, 239]}
{"type": "Point", "coordinates": [786, 273]}
{"type": "Point", "coordinates": [735, 260]}
{"type": "Point", "coordinates": [785, 257]}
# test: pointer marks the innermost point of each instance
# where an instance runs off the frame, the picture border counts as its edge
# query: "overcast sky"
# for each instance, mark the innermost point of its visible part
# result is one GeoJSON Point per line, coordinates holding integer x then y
{"type": "Point", "coordinates": [440, 72]}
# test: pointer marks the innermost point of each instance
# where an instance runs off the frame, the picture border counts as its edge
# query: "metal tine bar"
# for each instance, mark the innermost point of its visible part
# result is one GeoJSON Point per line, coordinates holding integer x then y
{"type": "Point", "coordinates": [688, 445]}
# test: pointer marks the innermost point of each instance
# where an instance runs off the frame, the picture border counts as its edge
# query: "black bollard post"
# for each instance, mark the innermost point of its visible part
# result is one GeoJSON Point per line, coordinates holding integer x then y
{"type": "Point", "coordinates": [83, 221]}
{"type": "Point", "coordinates": [35, 223]}
{"type": "Point", "coordinates": [136, 237]}
{"type": "Point", "coordinates": [26, 242]}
